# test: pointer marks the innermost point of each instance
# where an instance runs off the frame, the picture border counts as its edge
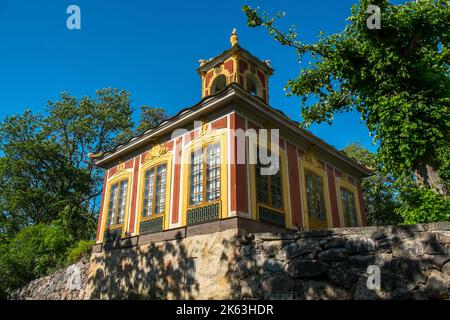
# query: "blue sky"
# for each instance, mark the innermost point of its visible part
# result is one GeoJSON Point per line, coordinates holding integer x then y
{"type": "Point", "coordinates": [151, 49]}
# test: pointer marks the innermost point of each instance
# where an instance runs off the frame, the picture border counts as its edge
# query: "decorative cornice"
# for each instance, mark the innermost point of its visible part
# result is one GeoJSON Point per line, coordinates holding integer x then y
{"type": "Point", "coordinates": [311, 157]}
{"type": "Point", "coordinates": [155, 152]}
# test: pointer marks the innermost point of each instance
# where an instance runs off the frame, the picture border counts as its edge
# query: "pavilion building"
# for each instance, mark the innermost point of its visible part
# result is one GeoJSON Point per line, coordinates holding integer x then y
{"type": "Point", "coordinates": [189, 173]}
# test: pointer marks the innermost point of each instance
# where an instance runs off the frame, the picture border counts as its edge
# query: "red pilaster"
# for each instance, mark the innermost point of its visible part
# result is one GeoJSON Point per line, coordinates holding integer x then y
{"type": "Point", "coordinates": [294, 185]}
{"type": "Point", "coordinates": [134, 191]}
{"type": "Point", "coordinates": [333, 198]}
{"type": "Point", "coordinates": [361, 204]}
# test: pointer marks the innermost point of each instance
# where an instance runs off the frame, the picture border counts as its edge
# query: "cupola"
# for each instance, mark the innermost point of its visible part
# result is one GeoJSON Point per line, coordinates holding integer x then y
{"type": "Point", "coordinates": [236, 65]}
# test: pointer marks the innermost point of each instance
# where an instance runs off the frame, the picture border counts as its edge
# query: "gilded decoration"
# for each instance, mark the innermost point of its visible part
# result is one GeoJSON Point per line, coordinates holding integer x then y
{"type": "Point", "coordinates": [120, 168]}
{"type": "Point", "coordinates": [204, 128]}
{"type": "Point", "coordinates": [311, 157]}
{"type": "Point", "coordinates": [155, 152]}
{"type": "Point", "coordinates": [234, 38]}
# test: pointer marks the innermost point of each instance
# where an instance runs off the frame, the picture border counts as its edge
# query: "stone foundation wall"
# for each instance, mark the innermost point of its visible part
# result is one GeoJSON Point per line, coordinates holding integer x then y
{"type": "Point", "coordinates": [332, 264]}
{"type": "Point", "coordinates": [325, 264]}
{"type": "Point", "coordinates": [67, 284]}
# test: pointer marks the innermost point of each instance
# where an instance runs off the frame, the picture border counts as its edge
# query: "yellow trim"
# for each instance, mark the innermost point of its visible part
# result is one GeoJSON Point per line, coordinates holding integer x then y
{"type": "Point", "coordinates": [305, 165]}
{"type": "Point", "coordinates": [208, 138]}
{"type": "Point", "coordinates": [224, 72]}
{"type": "Point", "coordinates": [344, 183]}
{"type": "Point", "coordinates": [285, 189]}
{"type": "Point", "coordinates": [125, 174]}
{"type": "Point", "coordinates": [166, 158]}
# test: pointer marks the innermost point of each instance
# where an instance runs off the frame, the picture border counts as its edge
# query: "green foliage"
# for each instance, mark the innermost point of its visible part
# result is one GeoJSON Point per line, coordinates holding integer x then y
{"type": "Point", "coordinates": [49, 188]}
{"type": "Point", "coordinates": [422, 205]}
{"type": "Point", "coordinates": [37, 180]}
{"type": "Point", "coordinates": [397, 77]}
{"type": "Point", "coordinates": [82, 249]}
{"type": "Point", "coordinates": [150, 118]}
{"type": "Point", "coordinates": [380, 191]}
{"type": "Point", "coordinates": [33, 252]}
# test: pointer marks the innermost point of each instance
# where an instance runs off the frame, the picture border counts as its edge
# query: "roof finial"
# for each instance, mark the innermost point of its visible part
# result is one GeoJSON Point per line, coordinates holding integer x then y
{"type": "Point", "coordinates": [234, 38]}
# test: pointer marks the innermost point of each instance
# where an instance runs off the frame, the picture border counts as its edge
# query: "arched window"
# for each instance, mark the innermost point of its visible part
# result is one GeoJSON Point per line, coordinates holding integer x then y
{"type": "Point", "coordinates": [220, 82]}
{"type": "Point", "coordinates": [252, 86]}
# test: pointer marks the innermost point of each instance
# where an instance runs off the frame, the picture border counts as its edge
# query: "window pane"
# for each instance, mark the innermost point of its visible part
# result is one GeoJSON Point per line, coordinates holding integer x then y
{"type": "Point", "coordinates": [311, 199]}
{"type": "Point", "coordinates": [196, 177]}
{"type": "Point", "coordinates": [320, 199]}
{"type": "Point", "coordinates": [148, 193]}
{"type": "Point", "coordinates": [113, 193]}
{"type": "Point", "coordinates": [262, 185]}
{"type": "Point", "coordinates": [348, 206]}
{"type": "Point", "coordinates": [122, 201]}
{"type": "Point", "coordinates": [277, 199]}
{"type": "Point", "coordinates": [160, 195]}
{"type": "Point", "coordinates": [213, 172]}
{"type": "Point", "coordinates": [315, 196]}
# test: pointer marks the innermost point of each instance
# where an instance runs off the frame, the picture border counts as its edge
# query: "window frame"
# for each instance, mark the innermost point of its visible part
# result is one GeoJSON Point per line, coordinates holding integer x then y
{"type": "Point", "coordinates": [204, 179]}
{"type": "Point", "coordinates": [143, 168]}
{"type": "Point", "coordinates": [269, 189]}
{"type": "Point", "coordinates": [315, 168]}
{"type": "Point", "coordinates": [314, 175]}
{"type": "Point", "coordinates": [342, 182]}
{"type": "Point", "coordinates": [204, 138]}
{"type": "Point", "coordinates": [252, 144]}
{"type": "Point", "coordinates": [118, 177]}
{"type": "Point", "coordinates": [153, 214]}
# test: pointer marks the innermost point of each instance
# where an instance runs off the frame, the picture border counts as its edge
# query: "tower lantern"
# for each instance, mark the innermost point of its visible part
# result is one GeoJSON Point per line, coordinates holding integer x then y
{"type": "Point", "coordinates": [235, 65]}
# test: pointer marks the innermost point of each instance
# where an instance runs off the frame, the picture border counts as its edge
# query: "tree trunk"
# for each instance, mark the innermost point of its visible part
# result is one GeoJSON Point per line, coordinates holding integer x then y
{"type": "Point", "coordinates": [427, 175]}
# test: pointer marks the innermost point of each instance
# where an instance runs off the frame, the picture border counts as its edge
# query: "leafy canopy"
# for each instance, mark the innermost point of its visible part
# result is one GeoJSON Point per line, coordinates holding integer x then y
{"type": "Point", "coordinates": [397, 77]}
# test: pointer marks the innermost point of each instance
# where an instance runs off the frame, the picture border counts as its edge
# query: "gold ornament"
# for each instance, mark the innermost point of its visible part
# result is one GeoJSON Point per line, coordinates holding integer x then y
{"type": "Point", "coordinates": [155, 152]}
{"type": "Point", "coordinates": [234, 38]}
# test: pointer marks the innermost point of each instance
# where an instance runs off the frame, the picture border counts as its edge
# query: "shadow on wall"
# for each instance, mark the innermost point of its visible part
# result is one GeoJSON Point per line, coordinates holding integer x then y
{"type": "Point", "coordinates": [154, 271]}
{"type": "Point", "coordinates": [323, 264]}
{"type": "Point", "coordinates": [332, 264]}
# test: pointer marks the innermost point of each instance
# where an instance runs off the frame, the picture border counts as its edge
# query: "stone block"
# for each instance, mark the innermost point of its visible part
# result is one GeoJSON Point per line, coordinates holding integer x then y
{"type": "Point", "coordinates": [335, 243]}
{"type": "Point", "coordinates": [360, 245]}
{"type": "Point", "coordinates": [274, 265]}
{"type": "Point", "coordinates": [278, 283]}
{"type": "Point", "coordinates": [306, 268]}
{"type": "Point", "coordinates": [341, 274]}
{"type": "Point", "coordinates": [319, 290]}
{"type": "Point", "coordinates": [437, 285]}
{"type": "Point", "coordinates": [334, 254]}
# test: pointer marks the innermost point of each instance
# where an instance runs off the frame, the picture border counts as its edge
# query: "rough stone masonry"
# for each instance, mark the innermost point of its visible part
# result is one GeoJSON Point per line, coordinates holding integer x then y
{"type": "Point", "coordinates": [327, 264]}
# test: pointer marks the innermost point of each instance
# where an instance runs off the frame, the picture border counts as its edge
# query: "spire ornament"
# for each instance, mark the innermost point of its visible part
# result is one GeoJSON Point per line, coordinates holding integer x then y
{"type": "Point", "coordinates": [234, 38]}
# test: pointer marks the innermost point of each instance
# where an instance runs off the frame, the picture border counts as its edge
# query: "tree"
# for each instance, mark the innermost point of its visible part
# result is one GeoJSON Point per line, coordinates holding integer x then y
{"type": "Point", "coordinates": [48, 184]}
{"type": "Point", "coordinates": [150, 118]}
{"type": "Point", "coordinates": [397, 77]}
{"type": "Point", "coordinates": [37, 182]}
{"type": "Point", "coordinates": [89, 125]}
{"type": "Point", "coordinates": [379, 190]}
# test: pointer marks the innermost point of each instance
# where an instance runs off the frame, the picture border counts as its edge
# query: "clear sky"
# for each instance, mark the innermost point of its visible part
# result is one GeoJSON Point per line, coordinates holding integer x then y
{"type": "Point", "coordinates": [151, 49]}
